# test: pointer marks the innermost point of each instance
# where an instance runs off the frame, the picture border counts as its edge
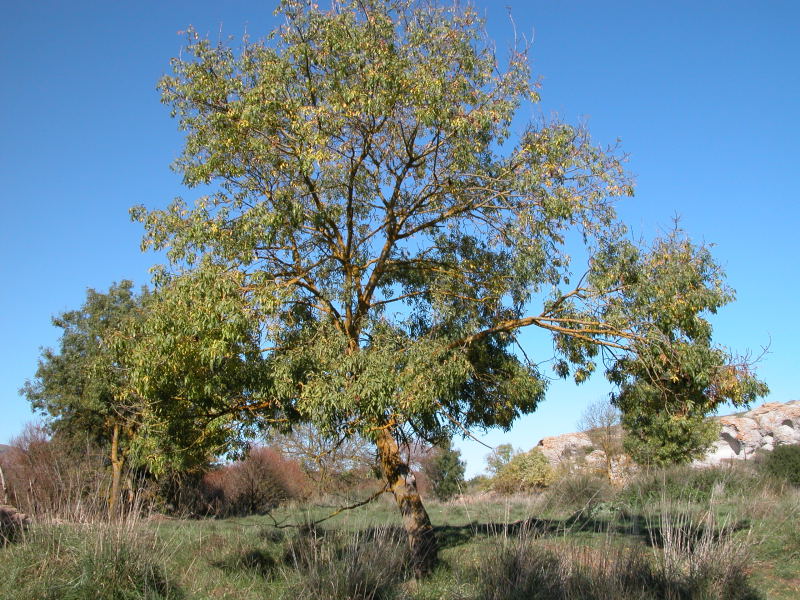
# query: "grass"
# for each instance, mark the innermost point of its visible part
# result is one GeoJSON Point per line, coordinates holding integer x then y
{"type": "Point", "coordinates": [580, 540]}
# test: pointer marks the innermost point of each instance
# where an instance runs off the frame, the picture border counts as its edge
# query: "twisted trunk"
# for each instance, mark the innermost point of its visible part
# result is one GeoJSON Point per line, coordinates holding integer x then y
{"type": "Point", "coordinates": [421, 537]}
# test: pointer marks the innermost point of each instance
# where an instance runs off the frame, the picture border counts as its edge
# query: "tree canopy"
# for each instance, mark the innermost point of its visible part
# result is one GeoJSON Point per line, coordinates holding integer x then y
{"type": "Point", "coordinates": [378, 233]}
{"type": "Point", "coordinates": [80, 387]}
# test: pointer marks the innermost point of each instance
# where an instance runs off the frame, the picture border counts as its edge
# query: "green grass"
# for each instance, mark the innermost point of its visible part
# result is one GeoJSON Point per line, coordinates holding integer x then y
{"type": "Point", "coordinates": [581, 539]}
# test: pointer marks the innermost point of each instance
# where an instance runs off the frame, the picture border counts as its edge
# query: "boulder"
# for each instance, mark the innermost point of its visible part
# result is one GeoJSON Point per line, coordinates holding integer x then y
{"type": "Point", "coordinates": [12, 524]}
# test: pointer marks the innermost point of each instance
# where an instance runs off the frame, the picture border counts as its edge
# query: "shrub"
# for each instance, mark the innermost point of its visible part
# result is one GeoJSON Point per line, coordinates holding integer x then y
{"type": "Point", "coordinates": [50, 476]}
{"type": "Point", "coordinates": [524, 472]}
{"type": "Point", "coordinates": [579, 490]}
{"type": "Point", "coordinates": [784, 463]}
{"type": "Point", "coordinates": [255, 485]}
{"type": "Point", "coordinates": [12, 524]}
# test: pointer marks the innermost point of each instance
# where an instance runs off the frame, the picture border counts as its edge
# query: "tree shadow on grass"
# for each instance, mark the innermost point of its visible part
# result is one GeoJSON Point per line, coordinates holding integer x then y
{"type": "Point", "coordinates": [639, 527]}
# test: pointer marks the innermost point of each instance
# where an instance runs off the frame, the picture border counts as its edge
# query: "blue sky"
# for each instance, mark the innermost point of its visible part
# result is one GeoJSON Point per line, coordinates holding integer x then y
{"type": "Point", "coordinates": [703, 96]}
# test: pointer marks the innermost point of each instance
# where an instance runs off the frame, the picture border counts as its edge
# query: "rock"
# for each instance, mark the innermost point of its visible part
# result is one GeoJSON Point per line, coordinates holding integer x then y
{"type": "Point", "coordinates": [741, 436]}
{"type": "Point", "coordinates": [769, 425]}
{"type": "Point", "coordinates": [12, 523]}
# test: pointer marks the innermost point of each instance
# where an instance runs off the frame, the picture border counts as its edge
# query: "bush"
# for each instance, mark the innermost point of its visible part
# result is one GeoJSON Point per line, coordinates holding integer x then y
{"type": "Point", "coordinates": [51, 476]}
{"type": "Point", "coordinates": [784, 463]}
{"type": "Point", "coordinates": [12, 524]}
{"type": "Point", "coordinates": [255, 485]}
{"type": "Point", "coordinates": [444, 471]}
{"type": "Point", "coordinates": [524, 472]}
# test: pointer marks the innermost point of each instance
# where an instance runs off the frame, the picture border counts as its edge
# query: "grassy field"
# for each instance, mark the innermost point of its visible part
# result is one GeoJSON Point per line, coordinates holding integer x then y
{"type": "Point", "coordinates": [678, 534]}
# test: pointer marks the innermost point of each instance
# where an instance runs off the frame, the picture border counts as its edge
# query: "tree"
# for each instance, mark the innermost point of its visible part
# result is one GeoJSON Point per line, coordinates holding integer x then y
{"type": "Point", "coordinates": [499, 458]}
{"type": "Point", "coordinates": [525, 472]}
{"type": "Point", "coordinates": [82, 387]}
{"type": "Point", "coordinates": [445, 470]}
{"type": "Point", "coordinates": [85, 391]}
{"type": "Point", "coordinates": [376, 237]}
{"type": "Point", "coordinates": [601, 423]}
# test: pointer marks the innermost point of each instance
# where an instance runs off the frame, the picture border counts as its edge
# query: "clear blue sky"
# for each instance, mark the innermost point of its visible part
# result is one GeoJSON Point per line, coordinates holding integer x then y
{"type": "Point", "coordinates": [704, 97]}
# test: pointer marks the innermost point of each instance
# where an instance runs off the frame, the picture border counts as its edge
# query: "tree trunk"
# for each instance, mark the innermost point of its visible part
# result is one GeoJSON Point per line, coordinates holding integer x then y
{"type": "Point", "coordinates": [421, 537]}
{"type": "Point", "coordinates": [3, 492]}
{"type": "Point", "coordinates": [116, 474]}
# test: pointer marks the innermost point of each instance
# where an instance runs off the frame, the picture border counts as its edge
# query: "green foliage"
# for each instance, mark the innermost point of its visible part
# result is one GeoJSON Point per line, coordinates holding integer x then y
{"type": "Point", "coordinates": [525, 472]}
{"type": "Point", "coordinates": [376, 238]}
{"type": "Point", "coordinates": [445, 471]}
{"type": "Point", "coordinates": [82, 387]}
{"type": "Point", "coordinates": [499, 458]}
{"type": "Point", "coordinates": [357, 163]}
{"type": "Point", "coordinates": [194, 362]}
{"type": "Point", "coordinates": [675, 376]}
{"type": "Point", "coordinates": [784, 463]}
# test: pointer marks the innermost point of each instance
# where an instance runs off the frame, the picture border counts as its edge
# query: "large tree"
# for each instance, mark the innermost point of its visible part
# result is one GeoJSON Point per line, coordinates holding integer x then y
{"type": "Point", "coordinates": [380, 232]}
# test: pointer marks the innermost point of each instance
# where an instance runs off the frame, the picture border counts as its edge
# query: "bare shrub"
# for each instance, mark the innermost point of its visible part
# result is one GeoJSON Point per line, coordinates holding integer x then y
{"type": "Point", "coordinates": [48, 477]}
{"type": "Point", "coordinates": [601, 423]}
{"type": "Point", "coordinates": [259, 483]}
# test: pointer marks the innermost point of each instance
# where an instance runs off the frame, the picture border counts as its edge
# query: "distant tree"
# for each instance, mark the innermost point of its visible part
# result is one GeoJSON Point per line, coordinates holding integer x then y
{"type": "Point", "coordinates": [81, 388]}
{"type": "Point", "coordinates": [525, 472]}
{"type": "Point", "coordinates": [601, 423]}
{"type": "Point", "coordinates": [499, 458]}
{"type": "Point", "coordinates": [445, 470]}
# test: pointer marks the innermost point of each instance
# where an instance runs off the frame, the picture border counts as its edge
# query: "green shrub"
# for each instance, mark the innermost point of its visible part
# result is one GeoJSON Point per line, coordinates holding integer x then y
{"type": "Point", "coordinates": [445, 471]}
{"type": "Point", "coordinates": [784, 463]}
{"type": "Point", "coordinates": [524, 472]}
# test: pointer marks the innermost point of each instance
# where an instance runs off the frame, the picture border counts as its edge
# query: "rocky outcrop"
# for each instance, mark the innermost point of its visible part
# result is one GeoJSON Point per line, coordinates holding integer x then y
{"type": "Point", "coordinates": [741, 436]}
{"type": "Point", "coordinates": [762, 428]}
{"type": "Point", "coordinates": [577, 452]}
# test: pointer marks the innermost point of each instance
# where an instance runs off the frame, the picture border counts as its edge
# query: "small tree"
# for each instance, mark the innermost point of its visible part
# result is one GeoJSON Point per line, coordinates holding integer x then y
{"type": "Point", "coordinates": [499, 458]}
{"type": "Point", "coordinates": [601, 423]}
{"type": "Point", "coordinates": [82, 387]}
{"type": "Point", "coordinates": [445, 471]}
{"type": "Point", "coordinates": [525, 472]}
